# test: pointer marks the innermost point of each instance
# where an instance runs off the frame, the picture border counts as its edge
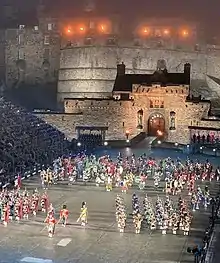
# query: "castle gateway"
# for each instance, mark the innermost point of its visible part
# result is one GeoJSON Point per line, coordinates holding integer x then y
{"type": "Point", "coordinates": [158, 104]}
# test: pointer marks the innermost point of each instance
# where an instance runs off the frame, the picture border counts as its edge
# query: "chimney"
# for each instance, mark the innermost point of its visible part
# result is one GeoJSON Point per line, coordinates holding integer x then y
{"type": "Point", "coordinates": [121, 69]}
{"type": "Point", "coordinates": [187, 71]}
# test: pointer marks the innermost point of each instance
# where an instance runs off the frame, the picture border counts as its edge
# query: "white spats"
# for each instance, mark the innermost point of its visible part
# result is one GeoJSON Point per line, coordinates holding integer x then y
{"type": "Point", "coordinates": [64, 242]}
{"type": "Point", "coordinates": [36, 260]}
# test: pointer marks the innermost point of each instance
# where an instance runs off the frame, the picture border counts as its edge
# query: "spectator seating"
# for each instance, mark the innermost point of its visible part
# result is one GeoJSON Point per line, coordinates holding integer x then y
{"type": "Point", "coordinates": [90, 141]}
{"type": "Point", "coordinates": [26, 140]}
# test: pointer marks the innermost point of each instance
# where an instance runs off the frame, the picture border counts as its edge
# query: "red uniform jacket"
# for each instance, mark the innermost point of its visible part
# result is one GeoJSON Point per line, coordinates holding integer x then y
{"type": "Point", "coordinates": [64, 213]}
{"type": "Point", "coordinates": [50, 221]}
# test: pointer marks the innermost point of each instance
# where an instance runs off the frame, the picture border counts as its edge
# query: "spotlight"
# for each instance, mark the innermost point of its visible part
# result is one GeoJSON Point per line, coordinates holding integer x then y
{"type": "Point", "coordinates": [176, 144]}
{"type": "Point", "coordinates": [79, 144]}
{"type": "Point", "coordinates": [127, 141]}
{"type": "Point", "coordinates": [201, 148]}
{"type": "Point", "coordinates": [159, 142]}
{"type": "Point", "coordinates": [214, 150]}
{"type": "Point", "coordinates": [187, 145]}
{"type": "Point", "coordinates": [105, 143]}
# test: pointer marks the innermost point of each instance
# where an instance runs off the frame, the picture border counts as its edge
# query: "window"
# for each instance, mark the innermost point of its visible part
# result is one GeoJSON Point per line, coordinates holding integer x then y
{"type": "Point", "coordinates": [111, 42]}
{"type": "Point", "coordinates": [49, 27]}
{"type": "Point", "coordinates": [157, 103]}
{"type": "Point", "coordinates": [91, 25]}
{"type": "Point", "coordinates": [21, 39]}
{"type": "Point", "coordinates": [140, 119]}
{"type": "Point", "coordinates": [21, 26]}
{"type": "Point", "coordinates": [21, 54]}
{"type": "Point", "coordinates": [47, 40]}
{"type": "Point", "coordinates": [172, 120]}
{"type": "Point", "coordinates": [36, 28]}
{"type": "Point", "coordinates": [88, 41]}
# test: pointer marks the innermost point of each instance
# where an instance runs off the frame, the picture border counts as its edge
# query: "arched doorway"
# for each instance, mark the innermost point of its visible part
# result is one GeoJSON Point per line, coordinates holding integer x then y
{"type": "Point", "coordinates": [156, 125]}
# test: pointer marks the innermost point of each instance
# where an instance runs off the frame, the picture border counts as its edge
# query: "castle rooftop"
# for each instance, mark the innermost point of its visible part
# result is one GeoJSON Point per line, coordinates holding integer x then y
{"type": "Point", "coordinates": [124, 82]}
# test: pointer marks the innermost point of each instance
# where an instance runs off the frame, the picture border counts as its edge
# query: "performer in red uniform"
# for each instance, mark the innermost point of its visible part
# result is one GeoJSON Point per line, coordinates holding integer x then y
{"type": "Point", "coordinates": [19, 181]}
{"type": "Point", "coordinates": [34, 203]}
{"type": "Point", "coordinates": [5, 215]}
{"type": "Point", "coordinates": [51, 222]}
{"type": "Point", "coordinates": [26, 208]}
{"type": "Point", "coordinates": [44, 202]}
{"type": "Point", "coordinates": [18, 210]}
{"type": "Point", "coordinates": [64, 213]}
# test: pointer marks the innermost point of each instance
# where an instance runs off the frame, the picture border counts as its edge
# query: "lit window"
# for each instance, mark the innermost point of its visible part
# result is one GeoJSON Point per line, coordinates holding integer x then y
{"type": "Point", "coordinates": [146, 31]}
{"type": "Point", "coordinates": [50, 27]}
{"type": "Point", "coordinates": [47, 40]}
{"type": "Point", "coordinates": [69, 30]}
{"type": "Point", "coordinates": [21, 26]}
{"type": "Point", "coordinates": [102, 28]}
{"type": "Point", "coordinates": [21, 39]}
{"type": "Point", "coordinates": [166, 32]}
{"type": "Point", "coordinates": [185, 33]}
{"type": "Point", "coordinates": [82, 29]}
{"type": "Point", "coordinates": [36, 28]}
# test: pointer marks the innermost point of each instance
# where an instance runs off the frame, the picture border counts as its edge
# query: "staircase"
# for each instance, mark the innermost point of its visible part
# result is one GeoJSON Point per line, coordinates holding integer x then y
{"type": "Point", "coordinates": [145, 143]}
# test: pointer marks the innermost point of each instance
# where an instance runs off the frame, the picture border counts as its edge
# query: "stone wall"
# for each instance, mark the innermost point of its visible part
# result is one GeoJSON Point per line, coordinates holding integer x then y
{"type": "Point", "coordinates": [121, 116]}
{"type": "Point", "coordinates": [31, 56]}
{"type": "Point", "coordinates": [93, 68]}
{"type": "Point", "coordinates": [2, 54]}
{"type": "Point", "coordinates": [89, 71]}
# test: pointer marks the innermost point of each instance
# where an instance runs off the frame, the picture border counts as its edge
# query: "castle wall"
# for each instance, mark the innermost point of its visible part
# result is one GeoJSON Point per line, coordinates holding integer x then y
{"type": "Point", "coordinates": [93, 69]}
{"type": "Point", "coordinates": [2, 55]}
{"type": "Point", "coordinates": [121, 116]}
{"type": "Point", "coordinates": [31, 56]}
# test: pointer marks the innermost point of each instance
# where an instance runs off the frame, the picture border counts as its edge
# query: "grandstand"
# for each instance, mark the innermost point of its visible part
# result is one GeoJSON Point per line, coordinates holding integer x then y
{"type": "Point", "coordinates": [26, 141]}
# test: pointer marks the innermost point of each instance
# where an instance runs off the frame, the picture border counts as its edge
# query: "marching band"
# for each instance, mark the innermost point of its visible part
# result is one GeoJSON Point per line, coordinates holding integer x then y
{"type": "Point", "coordinates": [170, 213]}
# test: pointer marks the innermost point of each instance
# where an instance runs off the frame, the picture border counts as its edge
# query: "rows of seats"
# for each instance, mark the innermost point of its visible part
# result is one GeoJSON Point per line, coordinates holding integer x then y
{"type": "Point", "coordinates": [26, 140]}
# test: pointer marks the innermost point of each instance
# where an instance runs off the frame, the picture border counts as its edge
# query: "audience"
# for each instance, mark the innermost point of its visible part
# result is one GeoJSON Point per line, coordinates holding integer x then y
{"type": "Point", "coordinates": [25, 141]}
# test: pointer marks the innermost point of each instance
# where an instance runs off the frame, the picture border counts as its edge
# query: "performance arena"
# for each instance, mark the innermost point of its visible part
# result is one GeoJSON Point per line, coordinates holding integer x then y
{"type": "Point", "coordinates": [100, 240]}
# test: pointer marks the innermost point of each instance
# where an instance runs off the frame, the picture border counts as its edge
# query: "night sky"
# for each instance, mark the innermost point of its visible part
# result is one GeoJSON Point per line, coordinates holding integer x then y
{"type": "Point", "coordinates": [203, 11]}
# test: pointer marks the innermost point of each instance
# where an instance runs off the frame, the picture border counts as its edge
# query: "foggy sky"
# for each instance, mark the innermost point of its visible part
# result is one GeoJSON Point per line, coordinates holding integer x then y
{"type": "Point", "coordinates": [203, 11]}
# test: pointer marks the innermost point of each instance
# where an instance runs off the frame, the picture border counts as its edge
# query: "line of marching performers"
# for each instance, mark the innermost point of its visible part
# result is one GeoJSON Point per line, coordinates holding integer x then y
{"type": "Point", "coordinates": [127, 171]}
{"type": "Point", "coordinates": [16, 205]}
{"type": "Point", "coordinates": [165, 214]}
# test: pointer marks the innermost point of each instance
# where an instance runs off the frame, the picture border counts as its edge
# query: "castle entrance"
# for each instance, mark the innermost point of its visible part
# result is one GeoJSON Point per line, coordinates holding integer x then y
{"type": "Point", "coordinates": [156, 125]}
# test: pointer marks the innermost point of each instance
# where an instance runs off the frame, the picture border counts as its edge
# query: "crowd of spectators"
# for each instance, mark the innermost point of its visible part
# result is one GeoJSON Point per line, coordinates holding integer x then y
{"type": "Point", "coordinates": [26, 141]}
{"type": "Point", "coordinates": [205, 139]}
{"type": "Point", "coordinates": [90, 140]}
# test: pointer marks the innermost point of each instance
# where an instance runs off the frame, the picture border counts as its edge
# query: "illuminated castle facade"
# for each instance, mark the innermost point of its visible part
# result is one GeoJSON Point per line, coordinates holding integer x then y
{"type": "Point", "coordinates": [80, 55]}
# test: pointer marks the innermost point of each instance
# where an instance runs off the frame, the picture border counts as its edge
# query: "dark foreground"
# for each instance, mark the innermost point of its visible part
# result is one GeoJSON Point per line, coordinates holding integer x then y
{"type": "Point", "coordinates": [100, 241]}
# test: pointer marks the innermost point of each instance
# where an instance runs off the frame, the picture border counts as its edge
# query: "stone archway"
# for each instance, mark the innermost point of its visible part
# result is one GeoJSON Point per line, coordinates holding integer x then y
{"type": "Point", "coordinates": [156, 125]}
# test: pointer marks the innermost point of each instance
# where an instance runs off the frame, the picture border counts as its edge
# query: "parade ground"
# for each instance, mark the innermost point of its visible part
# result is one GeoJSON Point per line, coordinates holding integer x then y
{"type": "Point", "coordinates": [100, 241]}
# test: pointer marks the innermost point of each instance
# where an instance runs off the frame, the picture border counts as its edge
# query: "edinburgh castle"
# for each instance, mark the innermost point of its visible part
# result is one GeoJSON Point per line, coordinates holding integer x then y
{"type": "Point", "coordinates": [123, 80]}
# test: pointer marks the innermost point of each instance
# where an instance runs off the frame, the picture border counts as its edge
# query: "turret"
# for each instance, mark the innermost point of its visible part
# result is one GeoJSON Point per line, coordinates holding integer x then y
{"type": "Point", "coordinates": [121, 69]}
{"type": "Point", "coordinates": [187, 71]}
